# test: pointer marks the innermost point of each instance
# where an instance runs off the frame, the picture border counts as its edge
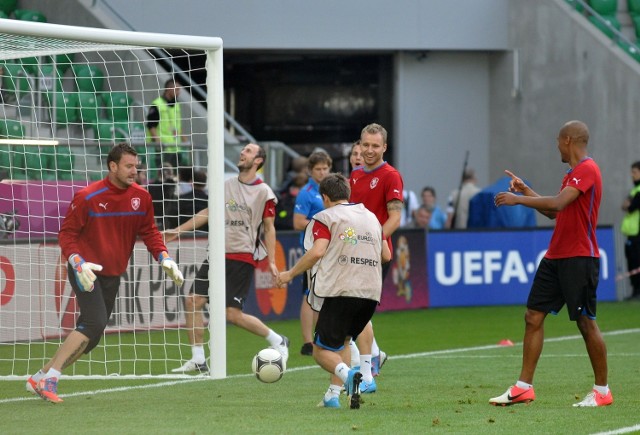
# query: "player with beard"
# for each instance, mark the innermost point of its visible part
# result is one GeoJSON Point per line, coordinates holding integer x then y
{"type": "Point", "coordinates": [249, 205]}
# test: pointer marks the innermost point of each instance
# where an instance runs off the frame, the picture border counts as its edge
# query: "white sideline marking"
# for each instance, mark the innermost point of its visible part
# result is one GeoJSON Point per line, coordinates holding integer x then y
{"type": "Point", "coordinates": [621, 430]}
{"type": "Point", "coordinates": [296, 369]}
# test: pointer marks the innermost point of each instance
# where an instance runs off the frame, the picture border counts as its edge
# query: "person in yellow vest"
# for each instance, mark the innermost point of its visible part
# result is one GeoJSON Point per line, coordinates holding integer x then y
{"type": "Point", "coordinates": [631, 228]}
{"type": "Point", "coordinates": [164, 127]}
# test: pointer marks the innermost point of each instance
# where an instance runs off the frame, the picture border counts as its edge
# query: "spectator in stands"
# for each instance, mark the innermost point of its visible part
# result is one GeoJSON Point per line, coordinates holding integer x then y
{"type": "Point", "coordinates": [194, 201]}
{"type": "Point", "coordinates": [287, 201]}
{"type": "Point", "coordinates": [298, 166]}
{"type": "Point", "coordinates": [185, 180]}
{"type": "Point", "coordinates": [422, 217]}
{"type": "Point", "coordinates": [355, 156]}
{"type": "Point", "coordinates": [141, 175]}
{"type": "Point", "coordinates": [163, 190]}
{"type": "Point", "coordinates": [409, 207]}
{"type": "Point", "coordinates": [164, 125]}
{"type": "Point", "coordinates": [98, 247]}
{"type": "Point", "coordinates": [630, 227]}
{"type": "Point", "coordinates": [308, 203]}
{"type": "Point", "coordinates": [438, 217]}
{"type": "Point", "coordinates": [458, 208]}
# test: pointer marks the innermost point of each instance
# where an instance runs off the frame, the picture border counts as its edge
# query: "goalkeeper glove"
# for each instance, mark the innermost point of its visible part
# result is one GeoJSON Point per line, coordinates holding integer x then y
{"type": "Point", "coordinates": [83, 272]}
{"type": "Point", "coordinates": [171, 268]}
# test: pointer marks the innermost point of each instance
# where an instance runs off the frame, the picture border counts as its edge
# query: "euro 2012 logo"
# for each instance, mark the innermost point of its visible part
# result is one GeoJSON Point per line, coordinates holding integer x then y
{"type": "Point", "coordinates": [232, 205]}
{"type": "Point", "coordinates": [349, 236]}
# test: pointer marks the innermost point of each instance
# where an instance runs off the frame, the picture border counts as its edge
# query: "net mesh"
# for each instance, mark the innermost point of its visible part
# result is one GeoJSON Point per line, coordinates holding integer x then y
{"type": "Point", "coordinates": [64, 104]}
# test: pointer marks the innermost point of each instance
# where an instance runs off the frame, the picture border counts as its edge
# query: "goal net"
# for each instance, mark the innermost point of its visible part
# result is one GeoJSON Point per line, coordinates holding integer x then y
{"type": "Point", "coordinates": [68, 94]}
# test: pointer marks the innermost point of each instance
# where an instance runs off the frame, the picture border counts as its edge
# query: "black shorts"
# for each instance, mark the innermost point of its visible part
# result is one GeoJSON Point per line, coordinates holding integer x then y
{"type": "Point", "coordinates": [238, 275]}
{"type": "Point", "coordinates": [571, 281]}
{"type": "Point", "coordinates": [305, 283]}
{"type": "Point", "coordinates": [340, 318]}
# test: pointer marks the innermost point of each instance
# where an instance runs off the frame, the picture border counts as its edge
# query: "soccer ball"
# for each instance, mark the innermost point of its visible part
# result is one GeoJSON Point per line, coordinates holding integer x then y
{"type": "Point", "coordinates": [268, 365]}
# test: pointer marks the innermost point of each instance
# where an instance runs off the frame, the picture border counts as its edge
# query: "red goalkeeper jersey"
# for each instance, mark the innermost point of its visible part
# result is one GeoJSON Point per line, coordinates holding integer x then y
{"type": "Point", "coordinates": [103, 223]}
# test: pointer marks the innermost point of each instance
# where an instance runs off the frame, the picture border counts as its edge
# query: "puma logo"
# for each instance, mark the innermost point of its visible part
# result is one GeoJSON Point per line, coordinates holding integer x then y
{"type": "Point", "coordinates": [577, 180]}
{"type": "Point", "coordinates": [103, 205]}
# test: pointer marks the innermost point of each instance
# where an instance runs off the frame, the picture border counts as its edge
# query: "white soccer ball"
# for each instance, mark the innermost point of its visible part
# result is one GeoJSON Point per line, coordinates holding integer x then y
{"type": "Point", "coordinates": [268, 365]}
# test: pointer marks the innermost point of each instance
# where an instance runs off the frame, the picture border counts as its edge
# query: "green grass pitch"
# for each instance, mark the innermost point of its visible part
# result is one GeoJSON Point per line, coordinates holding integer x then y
{"type": "Point", "coordinates": [443, 368]}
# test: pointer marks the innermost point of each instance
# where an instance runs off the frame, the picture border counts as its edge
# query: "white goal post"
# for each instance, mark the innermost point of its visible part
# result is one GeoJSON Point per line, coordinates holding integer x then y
{"type": "Point", "coordinates": [68, 95]}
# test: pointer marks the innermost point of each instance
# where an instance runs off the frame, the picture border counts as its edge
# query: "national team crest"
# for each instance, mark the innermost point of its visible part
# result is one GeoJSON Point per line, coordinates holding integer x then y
{"type": "Point", "coordinates": [374, 183]}
{"type": "Point", "coordinates": [135, 203]}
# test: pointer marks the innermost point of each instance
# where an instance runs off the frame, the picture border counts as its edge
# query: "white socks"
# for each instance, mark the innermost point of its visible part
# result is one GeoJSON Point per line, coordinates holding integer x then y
{"type": "Point", "coordinates": [333, 391]}
{"type": "Point", "coordinates": [53, 373]}
{"type": "Point", "coordinates": [523, 385]}
{"type": "Point", "coordinates": [355, 354]}
{"type": "Point", "coordinates": [365, 368]}
{"type": "Point", "coordinates": [273, 338]}
{"type": "Point", "coordinates": [197, 354]}
{"type": "Point", "coordinates": [342, 371]}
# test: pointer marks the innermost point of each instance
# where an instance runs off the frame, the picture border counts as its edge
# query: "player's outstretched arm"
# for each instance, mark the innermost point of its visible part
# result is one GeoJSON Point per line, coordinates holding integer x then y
{"type": "Point", "coordinates": [518, 186]}
{"type": "Point", "coordinates": [270, 243]}
{"type": "Point", "coordinates": [305, 263]}
{"type": "Point", "coordinates": [198, 220]}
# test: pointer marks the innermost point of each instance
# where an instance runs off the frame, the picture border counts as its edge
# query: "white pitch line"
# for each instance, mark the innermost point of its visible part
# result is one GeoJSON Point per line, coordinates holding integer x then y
{"type": "Point", "coordinates": [627, 429]}
{"type": "Point", "coordinates": [295, 369]}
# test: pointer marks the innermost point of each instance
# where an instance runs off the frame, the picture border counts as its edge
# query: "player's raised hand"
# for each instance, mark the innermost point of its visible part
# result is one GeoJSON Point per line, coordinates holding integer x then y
{"type": "Point", "coordinates": [505, 198]}
{"type": "Point", "coordinates": [84, 272]}
{"type": "Point", "coordinates": [516, 184]}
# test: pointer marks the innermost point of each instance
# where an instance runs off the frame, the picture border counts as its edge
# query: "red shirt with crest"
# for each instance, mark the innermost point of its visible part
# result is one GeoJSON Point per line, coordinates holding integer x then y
{"type": "Point", "coordinates": [103, 223]}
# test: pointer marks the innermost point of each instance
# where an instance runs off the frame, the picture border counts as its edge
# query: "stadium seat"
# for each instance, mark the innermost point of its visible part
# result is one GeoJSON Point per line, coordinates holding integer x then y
{"type": "Point", "coordinates": [630, 49]}
{"type": "Point", "coordinates": [11, 129]}
{"type": "Point", "coordinates": [30, 15]}
{"type": "Point", "coordinates": [28, 162]}
{"type": "Point", "coordinates": [57, 163]}
{"type": "Point", "coordinates": [3, 15]}
{"type": "Point", "coordinates": [66, 107]}
{"type": "Point", "coordinates": [88, 108]}
{"type": "Point", "coordinates": [8, 6]}
{"type": "Point", "coordinates": [37, 66]}
{"type": "Point", "coordinates": [15, 82]}
{"type": "Point", "coordinates": [635, 19]}
{"type": "Point", "coordinates": [89, 78]}
{"type": "Point", "coordinates": [604, 7]}
{"type": "Point", "coordinates": [117, 105]}
{"type": "Point", "coordinates": [612, 20]}
{"type": "Point", "coordinates": [633, 7]}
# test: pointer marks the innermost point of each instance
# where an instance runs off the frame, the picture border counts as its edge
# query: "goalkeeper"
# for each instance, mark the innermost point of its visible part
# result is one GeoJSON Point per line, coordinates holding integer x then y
{"type": "Point", "coordinates": [97, 237]}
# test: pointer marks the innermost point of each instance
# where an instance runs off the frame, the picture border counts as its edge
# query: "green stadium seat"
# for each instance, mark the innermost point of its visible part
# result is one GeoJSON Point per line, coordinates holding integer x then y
{"type": "Point", "coordinates": [38, 66]}
{"type": "Point", "coordinates": [634, 7]}
{"type": "Point", "coordinates": [28, 162]}
{"type": "Point", "coordinates": [11, 129]}
{"type": "Point", "coordinates": [117, 105]}
{"type": "Point", "coordinates": [15, 81]}
{"type": "Point", "coordinates": [89, 78]}
{"type": "Point", "coordinates": [57, 163]}
{"type": "Point", "coordinates": [630, 49]}
{"type": "Point", "coordinates": [3, 15]}
{"type": "Point", "coordinates": [66, 107]}
{"type": "Point", "coordinates": [612, 20]}
{"type": "Point", "coordinates": [635, 19]}
{"type": "Point", "coordinates": [88, 108]}
{"type": "Point", "coordinates": [8, 6]}
{"type": "Point", "coordinates": [604, 7]}
{"type": "Point", "coordinates": [30, 15]}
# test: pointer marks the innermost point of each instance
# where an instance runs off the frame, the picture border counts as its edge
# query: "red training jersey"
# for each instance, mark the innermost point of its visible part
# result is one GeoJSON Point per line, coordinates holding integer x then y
{"type": "Point", "coordinates": [374, 189]}
{"type": "Point", "coordinates": [575, 231]}
{"type": "Point", "coordinates": [103, 223]}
